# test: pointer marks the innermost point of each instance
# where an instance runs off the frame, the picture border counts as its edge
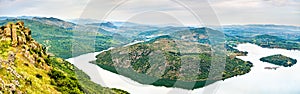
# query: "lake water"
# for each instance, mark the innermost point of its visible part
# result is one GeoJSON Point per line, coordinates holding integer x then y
{"type": "Point", "coordinates": [284, 80]}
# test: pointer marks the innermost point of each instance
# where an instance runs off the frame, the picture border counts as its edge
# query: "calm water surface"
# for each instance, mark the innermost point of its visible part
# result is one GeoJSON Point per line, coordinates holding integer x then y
{"type": "Point", "coordinates": [284, 80]}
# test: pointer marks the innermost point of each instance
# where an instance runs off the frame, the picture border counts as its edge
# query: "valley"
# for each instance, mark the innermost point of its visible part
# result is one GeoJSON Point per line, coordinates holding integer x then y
{"type": "Point", "coordinates": [158, 56]}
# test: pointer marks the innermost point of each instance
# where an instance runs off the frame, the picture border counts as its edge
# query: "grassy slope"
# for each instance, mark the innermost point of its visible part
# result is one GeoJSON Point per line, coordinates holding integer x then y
{"type": "Point", "coordinates": [32, 71]}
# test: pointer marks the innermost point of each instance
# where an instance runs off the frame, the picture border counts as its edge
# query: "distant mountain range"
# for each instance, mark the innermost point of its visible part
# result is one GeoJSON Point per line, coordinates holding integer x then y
{"type": "Point", "coordinates": [283, 31]}
{"type": "Point", "coordinates": [117, 33]}
{"type": "Point", "coordinates": [107, 24]}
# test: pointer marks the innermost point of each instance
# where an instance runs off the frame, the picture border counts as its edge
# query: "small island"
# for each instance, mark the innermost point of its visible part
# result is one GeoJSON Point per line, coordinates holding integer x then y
{"type": "Point", "coordinates": [280, 60]}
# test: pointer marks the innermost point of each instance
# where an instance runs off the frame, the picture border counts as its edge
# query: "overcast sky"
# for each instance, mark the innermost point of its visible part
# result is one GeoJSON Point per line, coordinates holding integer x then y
{"type": "Point", "coordinates": [184, 12]}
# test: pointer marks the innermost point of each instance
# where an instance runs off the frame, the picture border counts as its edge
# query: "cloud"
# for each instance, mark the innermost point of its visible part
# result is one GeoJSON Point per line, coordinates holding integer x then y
{"type": "Point", "coordinates": [228, 11]}
{"type": "Point", "coordinates": [257, 11]}
{"type": "Point", "coordinates": [55, 8]}
{"type": "Point", "coordinates": [3, 1]}
{"type": "Point", "coordinates": [238, 3]}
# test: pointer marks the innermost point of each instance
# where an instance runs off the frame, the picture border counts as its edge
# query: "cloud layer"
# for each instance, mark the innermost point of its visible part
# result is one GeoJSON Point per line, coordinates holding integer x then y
{"type": "Point", "coordinates": [227, 11]}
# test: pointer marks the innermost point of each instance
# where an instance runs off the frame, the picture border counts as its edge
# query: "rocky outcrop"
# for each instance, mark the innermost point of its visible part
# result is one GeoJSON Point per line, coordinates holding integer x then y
{"type": "Point", "coordinates": [26, 68]}
{"type": "Point", "coordinates": [7, 30]}
{"type": "Point", "coordinates": [17, 33]}
{"type": "Point", "coordinates": [18, 37]}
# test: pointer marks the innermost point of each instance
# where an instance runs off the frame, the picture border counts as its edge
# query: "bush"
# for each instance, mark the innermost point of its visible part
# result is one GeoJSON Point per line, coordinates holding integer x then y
{"type": "Point", "coordinates": [38, 76]}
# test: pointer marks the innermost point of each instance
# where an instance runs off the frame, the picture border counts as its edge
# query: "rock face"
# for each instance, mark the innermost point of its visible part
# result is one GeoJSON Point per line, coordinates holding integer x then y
{"type": "Point", "coordinates": [16, 41]}
{"type": "Point", "coordinates": [20, 36]}
{"type": "Point", "coordinates": [17, 33]}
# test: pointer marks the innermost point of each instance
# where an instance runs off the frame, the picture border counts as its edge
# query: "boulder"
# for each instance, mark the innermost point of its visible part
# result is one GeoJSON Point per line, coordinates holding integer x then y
{"type": "Point", "coordinates": [27, 31]}
{"type": "Point", "coordinates": [14, 35]}
{"type": "Point", "coordinates": [21, 40]}
{"type": "Point", "coordinates": [17, 83]}
{"type": "Point", "coordinates": [11, 57]}
{"type": "Point", "coordinates": [7, 32]}
{"type": "Point", "coordinates": [2, 84]}
{"type": "Point", "coordinates": [20, 23]}
{"type": "Point", "coordinates": [12, 88]}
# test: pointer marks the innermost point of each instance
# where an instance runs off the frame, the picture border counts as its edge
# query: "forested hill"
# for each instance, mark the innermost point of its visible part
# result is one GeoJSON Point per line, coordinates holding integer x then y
{"type": "Point", "coordinates": [26, 67]}
{"type": "Point", "coordinates": [280, 60]}
{"type": "Point", "coordinates": [183, 57]}
{"type": "Point", "coordinates": [269, 41]}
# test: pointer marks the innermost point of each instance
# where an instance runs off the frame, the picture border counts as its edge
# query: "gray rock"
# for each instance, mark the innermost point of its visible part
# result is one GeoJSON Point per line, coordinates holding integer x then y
{"type": "Point", "coordinates": [7, 32]}
{"type": "Point", "coordinates": [11, 57]}
{"type": "Point", "coordinates": [1, 31]}
{"type": "Point", "coordinates": [14, 35]}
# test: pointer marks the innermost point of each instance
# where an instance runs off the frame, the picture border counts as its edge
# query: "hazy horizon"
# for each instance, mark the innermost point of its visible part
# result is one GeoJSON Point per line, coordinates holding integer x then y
{"type": "Point", "coordinates": [223, 12]}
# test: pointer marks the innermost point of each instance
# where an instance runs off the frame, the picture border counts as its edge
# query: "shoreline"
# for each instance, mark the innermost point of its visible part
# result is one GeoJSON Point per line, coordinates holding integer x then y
{"type": "Point", "coordinates": [257, 75]}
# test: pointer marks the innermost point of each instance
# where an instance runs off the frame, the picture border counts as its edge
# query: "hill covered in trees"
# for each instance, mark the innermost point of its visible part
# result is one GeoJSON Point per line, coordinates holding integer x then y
{"type": "Point", "coordinates": [184, 57]}
{"type": "Point", "coordinates": [280, 60]}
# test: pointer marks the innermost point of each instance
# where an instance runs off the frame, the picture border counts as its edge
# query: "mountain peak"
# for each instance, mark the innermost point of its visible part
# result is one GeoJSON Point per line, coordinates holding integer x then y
{"type": "Point", "coordinates": [108, 24]}
{"type": "Point", "coordinates": [105, 24]}
{"type": "Point", "coordinates": [54, 21]}
{"type": "Point", "coordinates": [45, 18]}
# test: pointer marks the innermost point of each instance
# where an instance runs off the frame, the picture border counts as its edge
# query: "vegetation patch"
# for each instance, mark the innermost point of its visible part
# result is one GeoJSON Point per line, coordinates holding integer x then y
{"type": "Point", "coordinates": [280, 60]}
{"type": "Point", "coordinates": [160, 62]}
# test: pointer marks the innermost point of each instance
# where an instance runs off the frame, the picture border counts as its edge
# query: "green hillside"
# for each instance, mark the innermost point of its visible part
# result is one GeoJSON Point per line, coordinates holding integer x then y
{"type": "Point", "coordinates": [266, 41]}
{"type": "Point", "coordinates": [25, 67]}
{"type": "Point", "coordinates": [167, 60]}
{"type": "Point", "coordinates": [59, 40]}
